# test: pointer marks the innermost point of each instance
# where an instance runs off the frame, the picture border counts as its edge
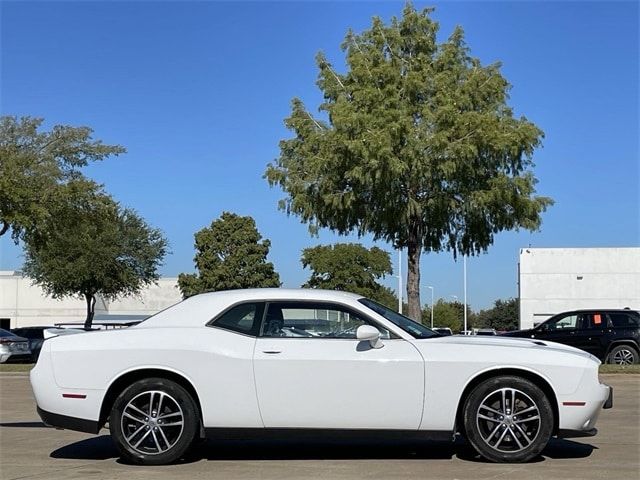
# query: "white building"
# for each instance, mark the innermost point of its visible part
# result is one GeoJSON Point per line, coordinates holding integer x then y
{"type": "Point", "coordinates": [554, 280]}
{"type": "Point", "coordinates": [24, 304]}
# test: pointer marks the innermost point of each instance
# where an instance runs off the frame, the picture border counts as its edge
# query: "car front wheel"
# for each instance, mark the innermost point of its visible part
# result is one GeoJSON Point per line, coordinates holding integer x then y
{"type": "Point", "coordinates": [153, 421]}
{"type": "Point", "coordinates": [508, 419]}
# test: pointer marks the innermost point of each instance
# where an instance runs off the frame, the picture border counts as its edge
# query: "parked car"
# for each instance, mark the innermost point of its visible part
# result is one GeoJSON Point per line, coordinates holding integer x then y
{"type": "Point", "coordinates": [13, 349]}
{"type": "Point", "coordinates": [611, 335]}
{"type": "Point", "coordinates": [35, 335]}
{"type": "Point", "coordinates": [484, 331]}
{"type": "Point", "coordinates": [443, 330]}
{"type": "Point", "coordinates": [311, 359]}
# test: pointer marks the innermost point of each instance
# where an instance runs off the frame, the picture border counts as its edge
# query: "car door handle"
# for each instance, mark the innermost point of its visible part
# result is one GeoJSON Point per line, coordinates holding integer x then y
{"type": "Point", "coordinates": [272, 352]}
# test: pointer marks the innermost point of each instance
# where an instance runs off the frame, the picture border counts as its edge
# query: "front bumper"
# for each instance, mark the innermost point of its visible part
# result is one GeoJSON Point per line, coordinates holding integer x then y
{"type": "Point", "coordinates": [609, 402]}
{"type": "Point", "coordinates": [16, 357]}
{"type": "Point", "coordinates": [578, 418]}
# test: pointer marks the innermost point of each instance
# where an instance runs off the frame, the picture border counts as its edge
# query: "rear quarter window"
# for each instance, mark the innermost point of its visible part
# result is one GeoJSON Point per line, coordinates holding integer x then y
{"type": "Point", "coordinates": [624, 320]}
{"type": "Point", "coordinates": [244, 318]}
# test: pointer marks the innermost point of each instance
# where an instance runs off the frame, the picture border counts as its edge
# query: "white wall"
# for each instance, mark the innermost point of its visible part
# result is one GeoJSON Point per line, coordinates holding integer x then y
{"type": "Point", "coordinates": [26, 304]}
{"type": "Point", "coordinates": [553, 280]}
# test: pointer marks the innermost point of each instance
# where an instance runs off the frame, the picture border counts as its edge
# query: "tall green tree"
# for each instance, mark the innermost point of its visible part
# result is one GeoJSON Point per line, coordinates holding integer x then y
{"type": "Point", "coordinates": [89, 245]}
{"type": "Point", "coordinates": [504, 315]}
{"type": "Point", "coordinates": [34, 163]}
{"type": "Point", "coordinates": [350, 267]}
{"type": "Point", "coordinates": [415, 144]}
{"type": "Point", "coordinates": [229, 255]}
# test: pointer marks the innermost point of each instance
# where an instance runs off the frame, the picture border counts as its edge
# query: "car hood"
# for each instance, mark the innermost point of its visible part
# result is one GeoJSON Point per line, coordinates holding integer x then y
{"type": "Point", "coordinates": [15, 338]}
{"type": "Point", "coordinates": [501, 341]}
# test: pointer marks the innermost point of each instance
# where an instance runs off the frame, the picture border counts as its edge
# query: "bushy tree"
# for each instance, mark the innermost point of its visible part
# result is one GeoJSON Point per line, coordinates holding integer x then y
{"type": "Point", "coordinates": [229, 255]}
{"type": "Point", "coordinates": [35, 163]}
{"type": "Point", "coordinates": [350, 267]}
{"type": "Point", "coordinates": [419, 146]}
{"type": "Point", "coordinates": [504, 315]}
{"type": "Point", "coordinates": [448, 315]}
{"type": "Point", "coordinates": [90, 245]}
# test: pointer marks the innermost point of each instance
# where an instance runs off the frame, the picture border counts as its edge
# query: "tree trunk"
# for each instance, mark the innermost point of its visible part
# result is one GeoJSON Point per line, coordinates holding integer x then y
{"type": "Point", "coordinates": [414, 249]}
{"type": "Point", "coordinates": [4, 228]}
{"type": "Point", "coordinates": [91, 305]}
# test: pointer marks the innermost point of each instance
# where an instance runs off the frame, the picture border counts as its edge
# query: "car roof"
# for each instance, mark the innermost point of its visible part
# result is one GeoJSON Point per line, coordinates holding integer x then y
{"type": "Point", "coordinates": [279, 294]}
{"type": "Point", "coordinates": [198, 309]}
{"type": "Point", "coordinates": [597, 310]}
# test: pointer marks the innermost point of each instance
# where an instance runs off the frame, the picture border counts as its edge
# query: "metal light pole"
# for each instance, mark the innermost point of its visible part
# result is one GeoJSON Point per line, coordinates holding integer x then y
{"type": "Point", "coordinates": [464, 263]}
{"type": "Point", "coordinates": [400, 281]}
{"type": "Point", "coordinates": [431, 288]}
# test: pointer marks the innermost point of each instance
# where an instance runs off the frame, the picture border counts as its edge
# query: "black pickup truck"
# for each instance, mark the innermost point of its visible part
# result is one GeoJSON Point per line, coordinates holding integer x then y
{"type": "Point", "coordinates": [611, 335]}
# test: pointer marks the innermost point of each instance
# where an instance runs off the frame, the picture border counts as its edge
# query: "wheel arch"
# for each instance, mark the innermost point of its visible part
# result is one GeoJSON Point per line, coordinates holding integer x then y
{"type": "Point", "coordinates": [127, 378]}
{"type": "Point", "coordinates": [533, 377]}
{"type": "Point", "coordinates": [626, 341]}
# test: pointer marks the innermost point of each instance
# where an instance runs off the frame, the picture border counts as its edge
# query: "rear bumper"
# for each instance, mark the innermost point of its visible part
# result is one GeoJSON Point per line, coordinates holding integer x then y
{"type": "Point", "coordinates": [68, 423]}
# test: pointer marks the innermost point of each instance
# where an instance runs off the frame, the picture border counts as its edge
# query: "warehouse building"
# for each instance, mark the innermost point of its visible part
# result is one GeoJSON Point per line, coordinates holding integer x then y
{"type": "Point", "coordinates": [554, 280]}
{"type": "Point", "coordinates": [24, 304]}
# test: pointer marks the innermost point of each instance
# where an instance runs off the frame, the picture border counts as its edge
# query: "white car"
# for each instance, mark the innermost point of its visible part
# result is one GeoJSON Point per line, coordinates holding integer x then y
{"type": "Point", "coordinates": [311, 359]}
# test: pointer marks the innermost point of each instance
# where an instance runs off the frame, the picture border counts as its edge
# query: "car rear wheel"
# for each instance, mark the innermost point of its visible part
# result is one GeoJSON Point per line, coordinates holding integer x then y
{"type": "Point", "coordinates": [153, 421]}
{"type": "Point", "coordinates": [508, 419]}
{"type": "Point", "coordinates": [623, 355]}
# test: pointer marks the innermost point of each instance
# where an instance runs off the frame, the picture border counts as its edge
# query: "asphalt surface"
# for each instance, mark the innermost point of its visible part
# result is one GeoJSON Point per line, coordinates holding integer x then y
{"type": "Point", "coordinates": [29, 450]}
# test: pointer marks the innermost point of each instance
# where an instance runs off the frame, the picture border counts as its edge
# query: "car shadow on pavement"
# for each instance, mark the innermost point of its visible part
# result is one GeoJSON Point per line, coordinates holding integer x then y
{"type": "Point", "coordinates": [219, 449]}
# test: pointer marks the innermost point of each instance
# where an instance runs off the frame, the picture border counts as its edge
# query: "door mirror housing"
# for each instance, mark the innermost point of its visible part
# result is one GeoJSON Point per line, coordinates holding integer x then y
{"type": "Point", "coordinates": [371, 334]}
{"type": "Point", "coordinates": [543, 327]}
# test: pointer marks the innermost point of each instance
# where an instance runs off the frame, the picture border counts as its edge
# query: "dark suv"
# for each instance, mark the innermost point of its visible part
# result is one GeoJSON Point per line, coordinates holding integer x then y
{"type": "Point", "coordinates": [611, 335]}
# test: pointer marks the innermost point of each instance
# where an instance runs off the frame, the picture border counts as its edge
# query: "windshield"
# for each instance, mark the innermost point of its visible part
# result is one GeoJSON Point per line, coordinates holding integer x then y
{"type": "Point", "coordinates": [413, 328]}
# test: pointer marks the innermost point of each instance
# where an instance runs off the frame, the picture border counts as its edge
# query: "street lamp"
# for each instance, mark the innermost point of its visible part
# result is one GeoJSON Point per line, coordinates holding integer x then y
{"type": "Point", "coordinates": [431, 288]}
{"type": "Point", "coordinates": [464, 263]}
{"type": "Point", "coordinates": [400, 281]}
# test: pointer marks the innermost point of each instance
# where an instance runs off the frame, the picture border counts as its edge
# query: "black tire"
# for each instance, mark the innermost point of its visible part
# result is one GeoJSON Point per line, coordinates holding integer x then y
{"type": "Point", "coordinates": [165, 439]}
{"type": "Point", "coordinates": [623, 355]}
{"type": "Point", "coordinates": [517, 436]}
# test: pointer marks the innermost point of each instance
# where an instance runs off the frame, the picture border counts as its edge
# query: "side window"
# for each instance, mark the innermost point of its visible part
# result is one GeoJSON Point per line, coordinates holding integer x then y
{"type": "Point", "coordinates": [568, 322]}
{"type": "Point", "coordinates": [624, 320]}
{"type": "Point", "coordinates": [594, 321]}
{"type": "Point", "coordinates": [312, 320]}
{"type": "Point", "coordinates": [244, 318]}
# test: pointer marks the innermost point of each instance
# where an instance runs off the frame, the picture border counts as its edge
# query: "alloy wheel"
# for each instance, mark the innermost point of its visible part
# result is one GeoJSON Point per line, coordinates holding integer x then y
{"type": "Point", "coordinates": [623, 357]}
{"type": "Point", "coordinates": [508, 420]}
{"type": "Point", "coordinates": [152, 422]}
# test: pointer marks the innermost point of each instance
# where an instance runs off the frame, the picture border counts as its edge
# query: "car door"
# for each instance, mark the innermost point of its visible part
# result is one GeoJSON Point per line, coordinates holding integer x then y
{"type": "Point", "coordinates": [311, 371]}
{"type": "Point", "coordinates": [561, 329]}
{"type": "Point", "coordinates": [589, 333]}
{"type": "Point", "coordinates": [623, 326]}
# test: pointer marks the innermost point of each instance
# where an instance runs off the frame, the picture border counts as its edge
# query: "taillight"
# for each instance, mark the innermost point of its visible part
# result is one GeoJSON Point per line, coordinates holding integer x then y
{"type": "Point", "coordinates": [6, 340]}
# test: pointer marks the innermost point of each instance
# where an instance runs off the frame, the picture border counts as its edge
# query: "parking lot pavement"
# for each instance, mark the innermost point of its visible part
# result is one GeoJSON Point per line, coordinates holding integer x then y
{"type": "Point", "coordinates": [29, 450]}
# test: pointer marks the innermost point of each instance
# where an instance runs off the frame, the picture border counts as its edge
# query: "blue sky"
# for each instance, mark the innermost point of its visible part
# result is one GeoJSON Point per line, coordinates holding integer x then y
{"type": "Point", "coordinates": [197, 92]}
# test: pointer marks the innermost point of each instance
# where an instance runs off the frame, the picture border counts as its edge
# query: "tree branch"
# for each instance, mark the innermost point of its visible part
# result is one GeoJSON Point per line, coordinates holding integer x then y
{"type": "Point", "coordinates": [5, 227]}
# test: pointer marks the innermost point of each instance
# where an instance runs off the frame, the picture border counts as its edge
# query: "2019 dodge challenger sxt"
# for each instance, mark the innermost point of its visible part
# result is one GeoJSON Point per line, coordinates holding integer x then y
{"type": "Point", "coordinates": [311, 359]}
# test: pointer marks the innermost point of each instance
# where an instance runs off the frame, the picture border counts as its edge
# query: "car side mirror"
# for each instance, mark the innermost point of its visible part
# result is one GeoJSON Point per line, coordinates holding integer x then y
{"type": "Point", "coordinates": [369, 333]}
{"type": "Point", "coordinates": [543, 328]}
